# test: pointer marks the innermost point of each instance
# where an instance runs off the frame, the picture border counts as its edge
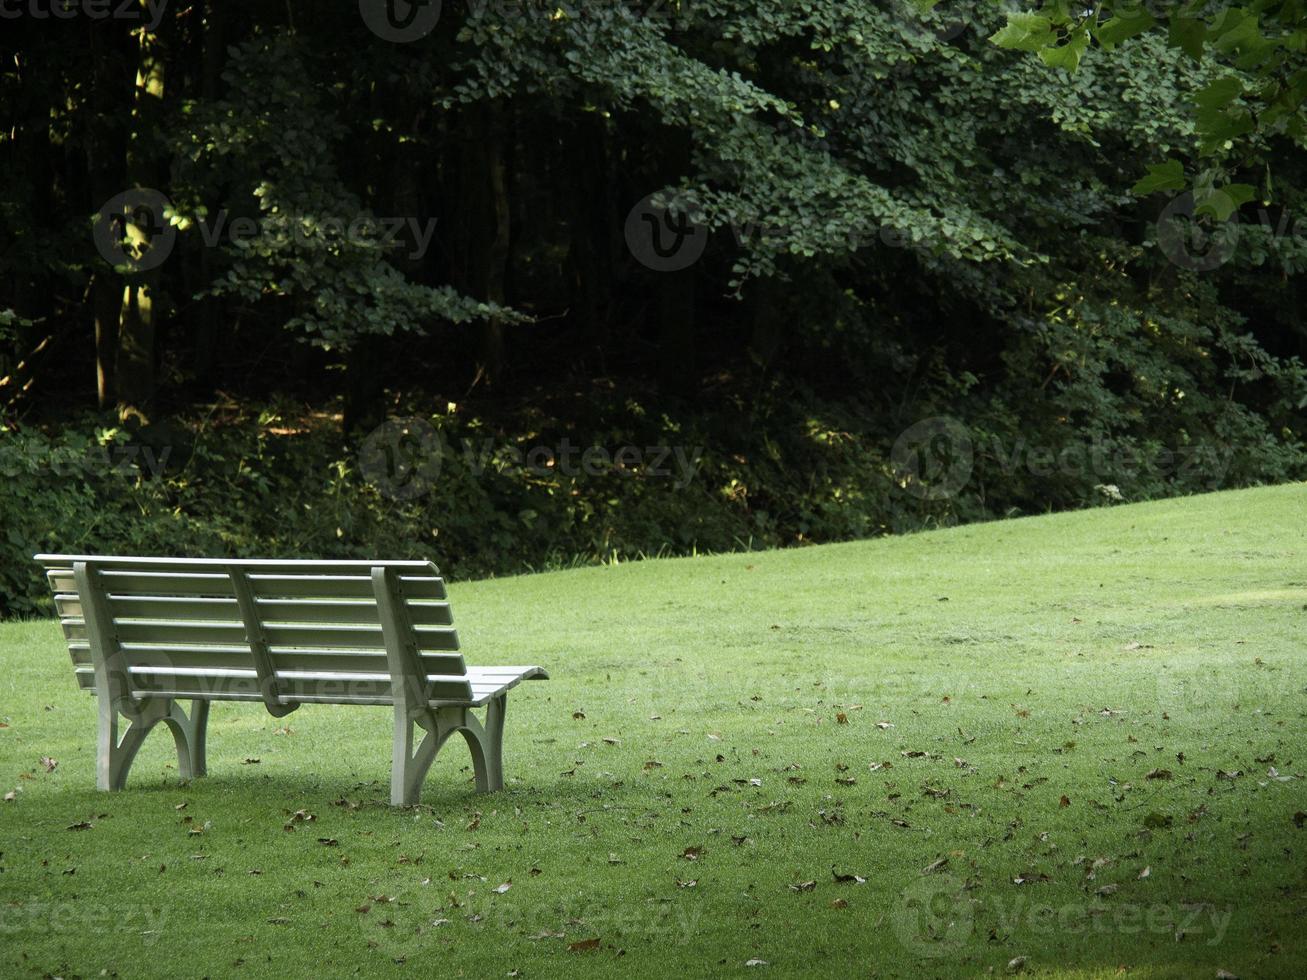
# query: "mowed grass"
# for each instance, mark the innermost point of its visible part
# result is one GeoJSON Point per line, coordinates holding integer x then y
{"type": "Point", "coordinates": [1077, 739]}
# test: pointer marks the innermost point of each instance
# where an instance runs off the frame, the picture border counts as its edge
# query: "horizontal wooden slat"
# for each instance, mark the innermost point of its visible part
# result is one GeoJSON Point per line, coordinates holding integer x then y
{"type": "Point", "coordinates": [339, 611]}
{"type": "Point", "coordinates": [149, 583]}
{"type": "Point", "coordinates": [344, 611]}
{"type": "Point", "coordinates": [288, 636]}
{"type": "Point", "coordinates": [291, 684]}
{"type": "Point", "coordinates": [238, 657]}
{"type": "Point", "coordinates": [483, 684]}
{"type": "Point", "coordinates": [341, 586]}
{"type": "Point", "coordinates": [160, 584]}
{"type": "Point", "coordinates": [308, 565]}
{"type": "Point", "coordinates": [183, 608]}
{"type": "Point", "coordinates": [430, 613]}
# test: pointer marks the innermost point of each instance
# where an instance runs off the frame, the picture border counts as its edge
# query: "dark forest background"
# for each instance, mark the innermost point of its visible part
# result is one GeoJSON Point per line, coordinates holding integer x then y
{"type": "Point", "coordinates": [899, 222]}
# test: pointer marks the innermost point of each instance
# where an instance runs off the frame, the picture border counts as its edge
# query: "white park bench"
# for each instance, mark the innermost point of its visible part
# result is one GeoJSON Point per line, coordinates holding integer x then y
{"type": "Point", "coordinates": [146, 633]}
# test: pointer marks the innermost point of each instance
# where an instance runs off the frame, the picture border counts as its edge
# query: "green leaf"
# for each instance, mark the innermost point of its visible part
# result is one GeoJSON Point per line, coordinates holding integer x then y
{"type": "Point", "coordinates": [1220, 93]}
{"type": "Point", "coordinates": [1025, 32]}
{"type": "Point", "coordinates": [1223, 202]}
{"type": "Point", "coordinates": [1125, 25]}
{"type": "Point", "coordinates": [1066, 56]}
{"type": "Point", "coordinates": [1168, 176]}
{"type": "Point", "coordinates": [1188, 34]}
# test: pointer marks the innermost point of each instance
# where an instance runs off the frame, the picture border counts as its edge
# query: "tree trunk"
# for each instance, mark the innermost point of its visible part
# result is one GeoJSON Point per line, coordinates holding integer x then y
{"type": "Point", "coordinates": [138, 324]}
{"type": "Point", "coordinates": [208, 319]}
{"type": "Point", "coordinates": [491, 364]}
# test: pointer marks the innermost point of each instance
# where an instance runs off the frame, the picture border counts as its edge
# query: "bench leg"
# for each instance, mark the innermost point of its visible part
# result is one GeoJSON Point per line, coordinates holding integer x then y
{"type": "Point", "coordinates": [114, 755]}
{"type": "Point", "coordinates": [487, 745]}
{"type": "Point", "coordinates": [407, 768]}
{"type": "Point", "coordinates": [189, 734]}
{"type": "Point", "coordinates": [495, 736]}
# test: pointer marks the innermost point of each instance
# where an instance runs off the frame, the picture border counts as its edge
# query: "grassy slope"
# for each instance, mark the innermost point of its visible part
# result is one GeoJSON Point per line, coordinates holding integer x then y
{"type": "Point", "coordinates": [1074, 654]}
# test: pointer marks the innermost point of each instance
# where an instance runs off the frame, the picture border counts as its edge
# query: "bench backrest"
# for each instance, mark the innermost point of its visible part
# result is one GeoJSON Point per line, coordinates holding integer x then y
{"type": "Point", "coordinates": [256, 629]}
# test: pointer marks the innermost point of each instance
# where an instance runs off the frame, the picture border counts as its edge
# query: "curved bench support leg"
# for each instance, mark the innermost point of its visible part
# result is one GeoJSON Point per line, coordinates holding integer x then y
{"type": "Point", "coordinates": [114, 756]}
{"type": "Point", "coordinates": [408, 768]}
{"type": "Point", "coordinates": [200, 737]}
{"type": "Point", "coordinates": [189, 734]}
{"type": "Point", "coordinates": [494, 729]}
{"type": "Point", "coordinates": [486, 743]}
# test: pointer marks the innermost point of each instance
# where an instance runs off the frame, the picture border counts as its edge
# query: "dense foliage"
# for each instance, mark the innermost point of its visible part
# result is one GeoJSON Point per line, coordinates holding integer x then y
{"type": "Point", "coordinates": [900, 221]}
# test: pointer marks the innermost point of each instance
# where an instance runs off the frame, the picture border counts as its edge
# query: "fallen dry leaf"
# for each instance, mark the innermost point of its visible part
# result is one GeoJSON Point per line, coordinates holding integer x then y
{"type": "Point", "coordinates": [500, 889]}
{"type": "Point", "coordinates": [1030, 878]}
{"type": "Point", "coordinates": [803, 886]}
{"type": "Point", "coordinates": [583, 946]}
{"type": "Point", "coordinates": [1160, 774]}
{"type": "Point", "coordinates": [935, 866]}
{"type": "Point", "coordinates": [48, 764]}
{"type": "Point", "coordinates": [839, 903]}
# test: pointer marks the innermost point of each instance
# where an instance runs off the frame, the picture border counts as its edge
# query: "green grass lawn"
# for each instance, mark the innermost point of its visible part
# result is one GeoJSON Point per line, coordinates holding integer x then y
{"type": "Point", "coordinates": [1075, 739]}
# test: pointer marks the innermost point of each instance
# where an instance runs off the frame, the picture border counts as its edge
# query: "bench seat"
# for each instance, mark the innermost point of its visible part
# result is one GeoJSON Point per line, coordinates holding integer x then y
{"type": "Point", "coordinates": [145, 633]}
